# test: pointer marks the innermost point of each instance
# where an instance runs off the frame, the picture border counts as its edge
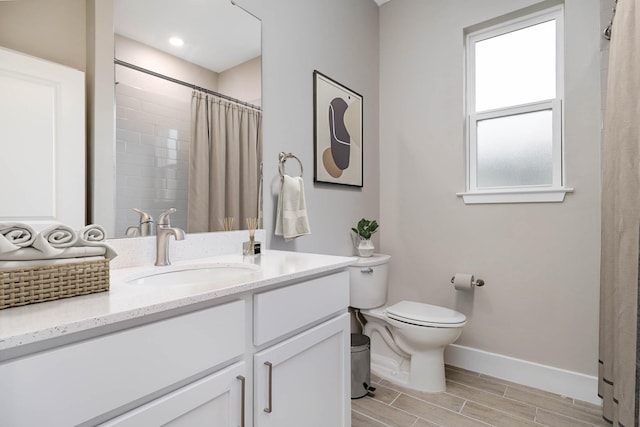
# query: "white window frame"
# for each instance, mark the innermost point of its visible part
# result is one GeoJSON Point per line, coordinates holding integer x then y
{"type": "Point", "coordinates": [554, 192]}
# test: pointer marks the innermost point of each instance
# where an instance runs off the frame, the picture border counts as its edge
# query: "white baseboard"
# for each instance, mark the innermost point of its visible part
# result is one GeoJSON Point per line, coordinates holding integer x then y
{"type": "Point", "coordinates": [560, 381]}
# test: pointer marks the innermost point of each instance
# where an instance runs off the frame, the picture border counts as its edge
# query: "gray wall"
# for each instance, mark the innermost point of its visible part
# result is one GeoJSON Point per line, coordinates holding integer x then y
{"type": "Point", "coordinates": [540, 261]}
{"type": "Point", "coordinates": [55, 31]}
{"type": "Point", "coordinates": [340, 39]}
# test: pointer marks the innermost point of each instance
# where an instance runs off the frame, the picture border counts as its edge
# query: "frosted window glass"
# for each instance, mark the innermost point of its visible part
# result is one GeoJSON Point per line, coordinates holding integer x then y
{"type": "Point", "coordinates": [515, 150]}
{"type": "Point", "coordinates": [516, 68]}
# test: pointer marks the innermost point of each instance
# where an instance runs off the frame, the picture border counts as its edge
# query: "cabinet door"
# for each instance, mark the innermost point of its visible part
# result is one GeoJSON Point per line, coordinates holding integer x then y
{"type": "Point", "coordinates": [73, 384]}
{"type": "Point", "coordinates": [305, 381]}
{"type": "Point", "coordinates": [216, 400]}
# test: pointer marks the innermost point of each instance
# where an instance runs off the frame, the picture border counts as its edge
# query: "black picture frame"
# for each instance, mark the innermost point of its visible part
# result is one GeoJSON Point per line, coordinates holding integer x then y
{"type": "Point", "coordinates": [337, 133]}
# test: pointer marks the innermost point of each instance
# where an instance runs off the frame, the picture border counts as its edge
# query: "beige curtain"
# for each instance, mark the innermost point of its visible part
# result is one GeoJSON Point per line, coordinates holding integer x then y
{"type": "Point", "coordinates": [225, 163]}
{"type": "Point", "coordinates": [619, 315]}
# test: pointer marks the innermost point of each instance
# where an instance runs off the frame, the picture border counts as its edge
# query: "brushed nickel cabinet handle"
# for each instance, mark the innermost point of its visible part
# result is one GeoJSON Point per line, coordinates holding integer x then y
{"type": "Point", "coordinates": [242, 401]}
{"type": "Point", "coordinates": [269, 408]}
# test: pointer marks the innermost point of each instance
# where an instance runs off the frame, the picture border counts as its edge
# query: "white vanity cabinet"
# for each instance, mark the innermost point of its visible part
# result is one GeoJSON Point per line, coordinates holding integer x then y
{"type": "Point", "coordinates": [80, 383]}
{"type": "Point", "coordinates": [273, 356]}
{"type": "Point", "coordinates": [305, 379]}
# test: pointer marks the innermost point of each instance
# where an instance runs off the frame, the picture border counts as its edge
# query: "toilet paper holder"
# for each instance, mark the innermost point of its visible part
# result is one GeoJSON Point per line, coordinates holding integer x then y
{"type": "Point", "coordinates": [474, 282]}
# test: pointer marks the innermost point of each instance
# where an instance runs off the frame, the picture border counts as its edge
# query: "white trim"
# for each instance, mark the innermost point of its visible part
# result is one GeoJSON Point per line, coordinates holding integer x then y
{"type": "Point", "coordinates": [514, 110]}
{"type": "Point", "coordinates": [514, 24]}
{"type": "Point", "coordinates": [515, 195]}
{"type": "Point", "coordinates": [543, 377]}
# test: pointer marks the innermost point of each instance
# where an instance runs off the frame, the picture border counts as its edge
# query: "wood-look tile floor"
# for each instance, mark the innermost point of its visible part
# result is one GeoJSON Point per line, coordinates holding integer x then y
{"type": "Point", "coordinates": [471, 399]}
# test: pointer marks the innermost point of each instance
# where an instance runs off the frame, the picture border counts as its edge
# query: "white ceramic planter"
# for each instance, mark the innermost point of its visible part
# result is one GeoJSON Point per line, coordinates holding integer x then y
{"type": "Point", "coordinates": [365, 248]}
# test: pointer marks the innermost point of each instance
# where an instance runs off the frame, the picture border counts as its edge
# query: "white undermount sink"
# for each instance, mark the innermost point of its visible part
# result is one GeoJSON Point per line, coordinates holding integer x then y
{"type": "Point", "coordinates": [213, 273]}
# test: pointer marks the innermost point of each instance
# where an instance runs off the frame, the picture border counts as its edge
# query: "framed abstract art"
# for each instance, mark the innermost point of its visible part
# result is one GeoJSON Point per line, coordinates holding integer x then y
{"type": "Point", "coordinates": [337, 125]}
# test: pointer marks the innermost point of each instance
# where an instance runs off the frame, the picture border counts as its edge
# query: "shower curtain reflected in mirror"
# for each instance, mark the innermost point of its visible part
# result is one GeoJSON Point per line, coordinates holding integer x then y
{"type": "Point", "coordinates": [225, 164]}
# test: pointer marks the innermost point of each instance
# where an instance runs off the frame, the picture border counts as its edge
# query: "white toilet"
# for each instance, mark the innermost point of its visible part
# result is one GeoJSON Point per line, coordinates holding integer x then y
{"type": "Point", "coordinates": [408, 338]}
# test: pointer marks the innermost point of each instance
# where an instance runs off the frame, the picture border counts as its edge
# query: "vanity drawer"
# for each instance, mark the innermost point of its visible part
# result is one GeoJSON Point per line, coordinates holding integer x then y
{"type": "Point", "coordinates": [284, 310]}
{"type": "Point", "coordinates": [75, 383]}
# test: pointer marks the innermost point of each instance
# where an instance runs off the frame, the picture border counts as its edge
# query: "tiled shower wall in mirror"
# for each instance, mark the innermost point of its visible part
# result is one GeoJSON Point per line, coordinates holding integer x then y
{"type": "Point", "coordinates": [152, 156]}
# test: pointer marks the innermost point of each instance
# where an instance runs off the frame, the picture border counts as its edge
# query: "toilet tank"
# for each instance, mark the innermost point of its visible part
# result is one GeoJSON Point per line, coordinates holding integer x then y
{"type": "Point", "coordinates": [368, 281]}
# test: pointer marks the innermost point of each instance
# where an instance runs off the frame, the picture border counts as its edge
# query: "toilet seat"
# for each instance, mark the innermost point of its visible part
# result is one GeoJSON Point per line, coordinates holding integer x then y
{"type": "Point", "coordinates": [421, 314]}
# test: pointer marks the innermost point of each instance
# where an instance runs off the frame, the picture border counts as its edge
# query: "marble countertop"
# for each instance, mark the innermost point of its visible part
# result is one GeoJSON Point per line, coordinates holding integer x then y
{"type": "Point", "coordinates": [125, 301]}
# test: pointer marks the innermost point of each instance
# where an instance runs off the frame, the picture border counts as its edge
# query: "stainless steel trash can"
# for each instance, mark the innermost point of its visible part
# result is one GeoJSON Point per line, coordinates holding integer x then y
{"type": "Point", "coordinates": [360, 365]}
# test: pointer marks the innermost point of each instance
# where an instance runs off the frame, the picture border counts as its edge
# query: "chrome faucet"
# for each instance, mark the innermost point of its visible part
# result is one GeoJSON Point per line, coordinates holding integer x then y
{"type": "Point", "coordinates": [163, 231]}
{"type": "Point", "coordinates": [145, 228]}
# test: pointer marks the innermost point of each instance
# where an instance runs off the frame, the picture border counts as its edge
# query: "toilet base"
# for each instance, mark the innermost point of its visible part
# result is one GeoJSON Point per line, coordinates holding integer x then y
{"type": "Point", "coordinates": [426, 376]}
{"type": "Point", "coordinates": [390, 369]}
{"type": "Point", "coordinates": [426, 373]}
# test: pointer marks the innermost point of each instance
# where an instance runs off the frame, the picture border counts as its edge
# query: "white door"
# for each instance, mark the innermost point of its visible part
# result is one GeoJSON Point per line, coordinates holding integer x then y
{"type": "Point", "coordinates": [216, 400]}
{"type": "Point", "coordinates": [42, 117]}
{"type": "Point", "coordinates": [305, 381]}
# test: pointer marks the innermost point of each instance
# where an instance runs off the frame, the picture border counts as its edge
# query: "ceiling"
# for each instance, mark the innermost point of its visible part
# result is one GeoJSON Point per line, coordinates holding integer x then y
{"type": "Point", "coordinates": [217, 35]}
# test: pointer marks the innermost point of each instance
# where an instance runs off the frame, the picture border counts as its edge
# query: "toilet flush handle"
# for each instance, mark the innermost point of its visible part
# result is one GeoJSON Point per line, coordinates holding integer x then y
{"type": "Point", "coordinates": [367, 270]}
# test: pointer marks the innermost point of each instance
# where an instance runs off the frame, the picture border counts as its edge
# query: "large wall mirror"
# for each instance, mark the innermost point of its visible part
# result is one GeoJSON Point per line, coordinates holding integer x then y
{"type": "Point", "coordinates": [187, 118]}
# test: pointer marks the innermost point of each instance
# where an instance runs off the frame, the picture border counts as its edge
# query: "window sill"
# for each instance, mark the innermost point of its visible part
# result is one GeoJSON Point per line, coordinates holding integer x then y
{"type": "Point", "coordinates": [520, 195]}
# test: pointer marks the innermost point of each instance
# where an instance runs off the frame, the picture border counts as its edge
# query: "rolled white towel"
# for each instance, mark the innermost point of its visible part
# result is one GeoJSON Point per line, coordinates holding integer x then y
{"type": "Point", "coordinates": [95, 236]}
{"type": "Point", "coordinates": [52, 239]}
{"type": "Point", "coordinates": [91, 234]}
{"type": "Point", "coordinates": [15, 235]}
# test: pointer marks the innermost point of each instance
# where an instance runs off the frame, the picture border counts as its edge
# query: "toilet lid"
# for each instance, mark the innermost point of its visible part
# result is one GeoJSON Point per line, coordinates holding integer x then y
{"type": "Point", "coordinates": [417, 313]}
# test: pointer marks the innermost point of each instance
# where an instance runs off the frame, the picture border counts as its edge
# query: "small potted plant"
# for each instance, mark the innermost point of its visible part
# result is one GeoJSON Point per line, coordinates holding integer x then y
{"type": "Point", "coordinates": [365, 230]}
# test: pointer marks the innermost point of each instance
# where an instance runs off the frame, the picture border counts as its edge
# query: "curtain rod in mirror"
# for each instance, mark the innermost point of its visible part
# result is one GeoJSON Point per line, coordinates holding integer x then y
{"type": "Point", "coordinates": [235, 3]}
{"type": "Point", "coordinates": [183, 83]}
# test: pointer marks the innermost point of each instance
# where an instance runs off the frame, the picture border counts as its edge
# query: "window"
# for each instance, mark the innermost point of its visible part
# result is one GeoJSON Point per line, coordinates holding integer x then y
{"type": "Point", "coordinates": [514, 84]}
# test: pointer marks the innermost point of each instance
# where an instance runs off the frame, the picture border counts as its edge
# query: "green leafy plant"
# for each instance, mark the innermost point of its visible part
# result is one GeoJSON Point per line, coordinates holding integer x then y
{"type": "Point", "coordinates": [365, 228]}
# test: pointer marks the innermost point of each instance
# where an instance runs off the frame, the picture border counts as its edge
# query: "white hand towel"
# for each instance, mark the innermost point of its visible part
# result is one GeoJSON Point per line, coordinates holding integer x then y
{"type": "Point", "coordinates": [15, 235]}
{"type": "Point", "coordinates": [53, 239]}
{"type": "Point", "coordinates": [94, 235]}
{"type": "Point", "coordinates": [291, 215]}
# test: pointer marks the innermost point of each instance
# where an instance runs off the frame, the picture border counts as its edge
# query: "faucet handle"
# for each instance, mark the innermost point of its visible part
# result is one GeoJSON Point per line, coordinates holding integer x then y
{"type": "Point", "coordinates": [144, 217]}
{"type": "Point", "coordinates": [164, 219]}
{"type": "Point", "coordinates": [145, 227]}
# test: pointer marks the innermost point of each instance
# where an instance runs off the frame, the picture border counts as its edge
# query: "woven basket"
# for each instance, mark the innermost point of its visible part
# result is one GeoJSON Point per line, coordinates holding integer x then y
{"type": "Point", "coordinates": [28, 285]}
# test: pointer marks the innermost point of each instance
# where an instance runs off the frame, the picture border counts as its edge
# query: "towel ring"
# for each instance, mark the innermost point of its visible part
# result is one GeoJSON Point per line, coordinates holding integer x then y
{"type": "Point", "coordinates": [283, 158]}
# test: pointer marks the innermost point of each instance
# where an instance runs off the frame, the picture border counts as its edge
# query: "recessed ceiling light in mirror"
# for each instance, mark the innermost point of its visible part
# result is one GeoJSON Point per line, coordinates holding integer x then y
{"type": "Point", "coordinates": [204, 25]}
{"type": "Point", "coordinates": [176, 41]}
